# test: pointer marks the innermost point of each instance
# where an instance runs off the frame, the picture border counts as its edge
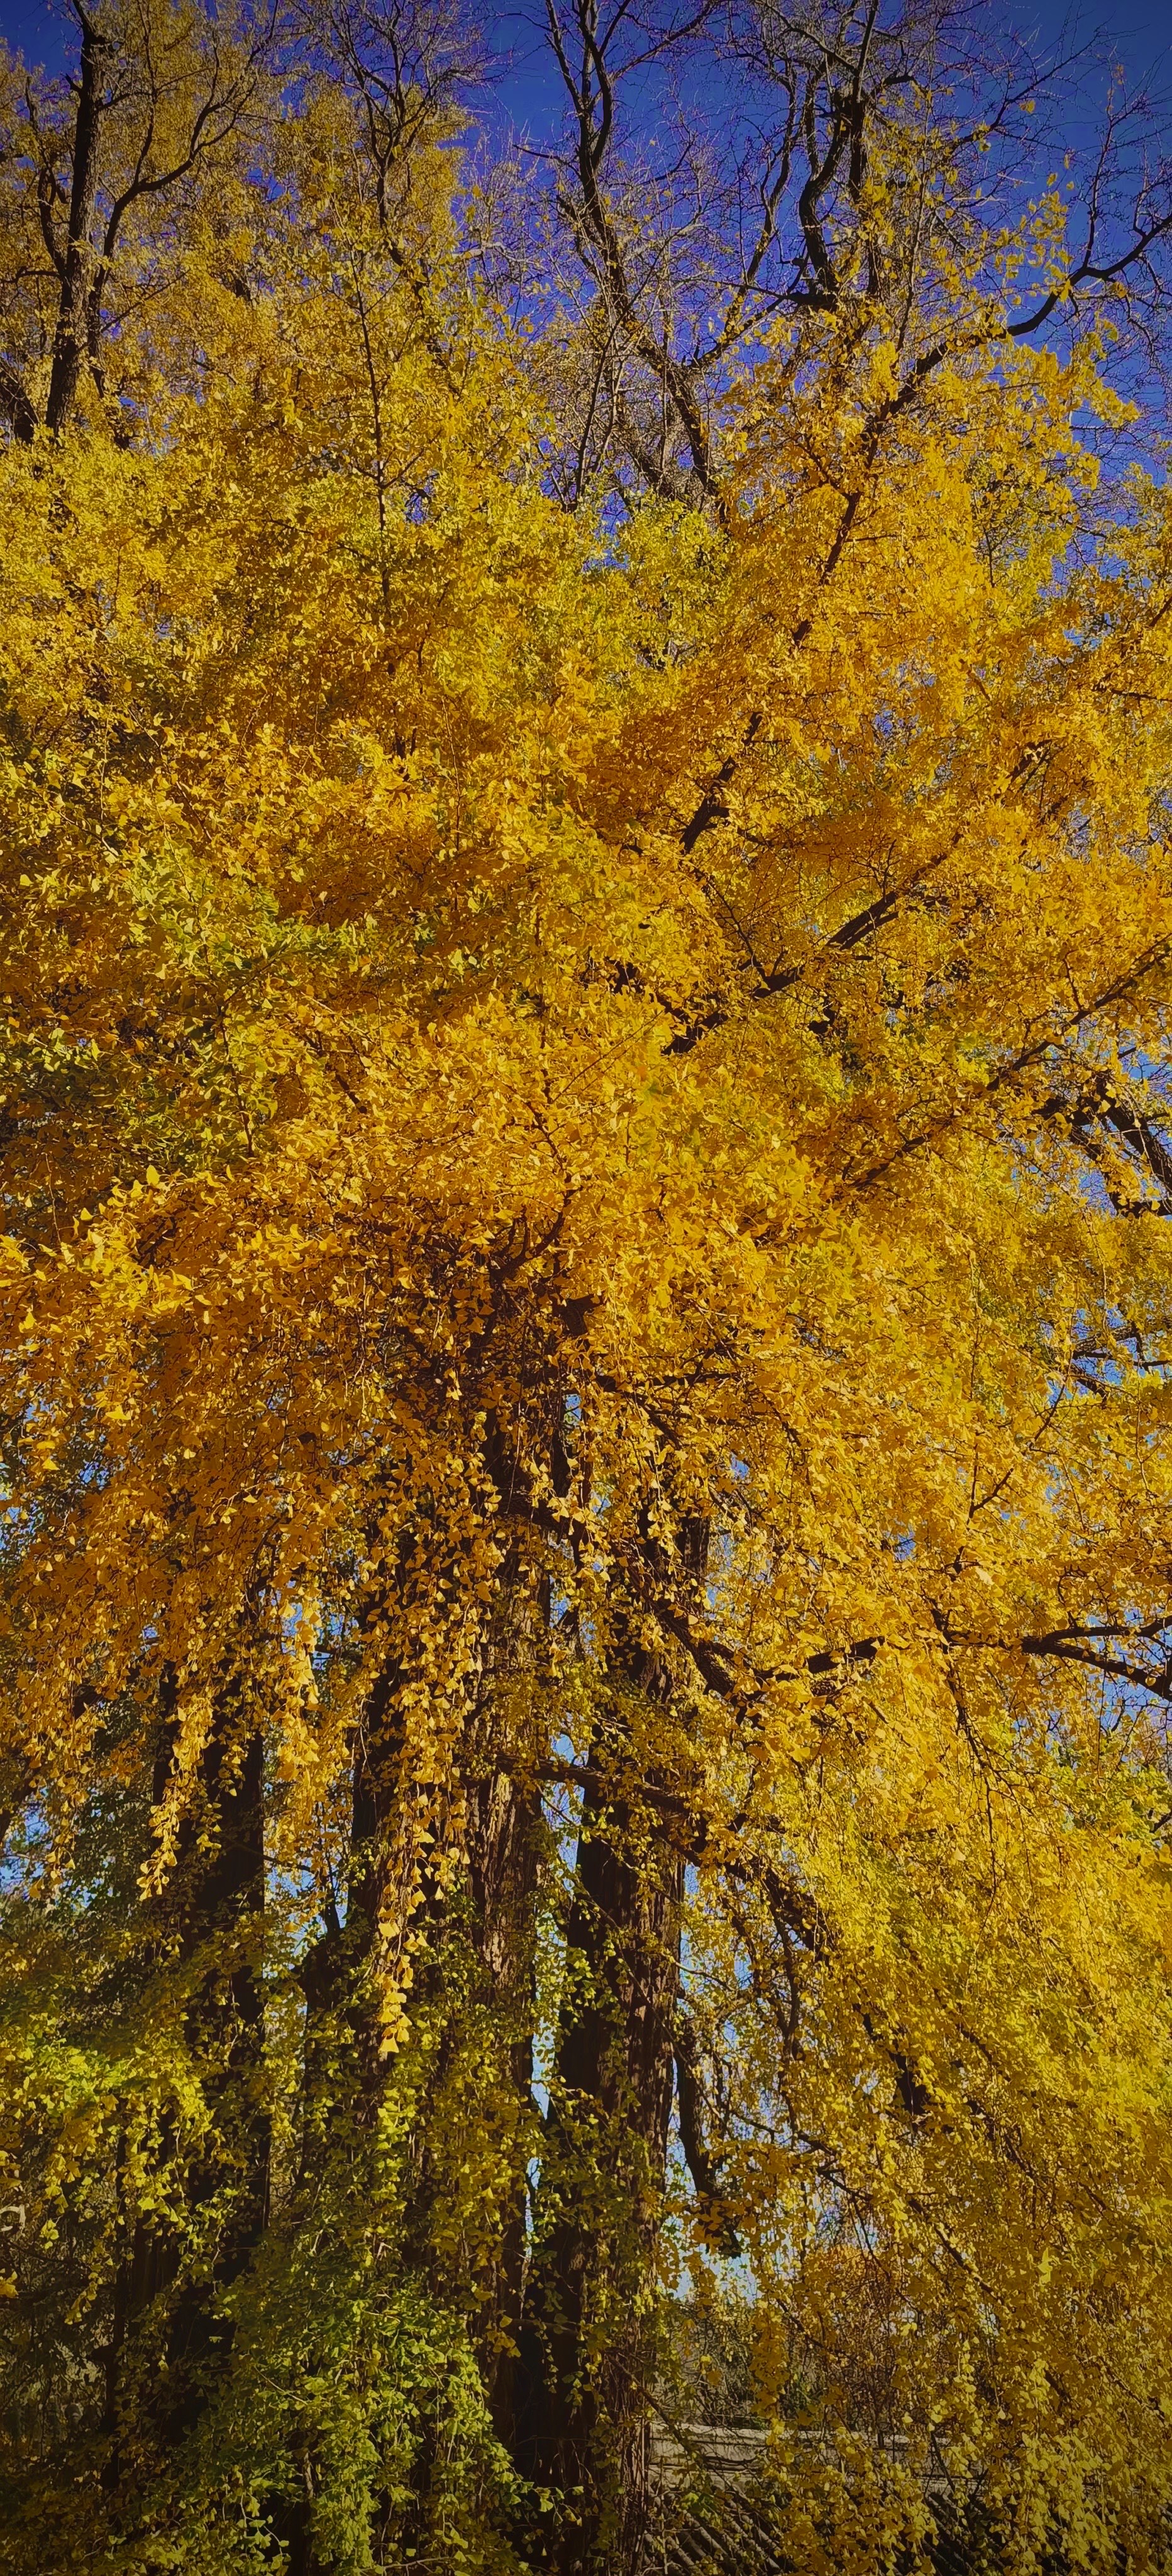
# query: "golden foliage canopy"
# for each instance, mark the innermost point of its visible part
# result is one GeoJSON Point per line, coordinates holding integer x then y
{"type": "Point", "coordinates": [585, 1587]}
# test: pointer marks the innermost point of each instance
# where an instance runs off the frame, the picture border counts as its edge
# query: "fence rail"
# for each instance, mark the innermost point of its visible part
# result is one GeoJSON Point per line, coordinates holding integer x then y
{"type": "Point", "coordinates": [718, 2529]}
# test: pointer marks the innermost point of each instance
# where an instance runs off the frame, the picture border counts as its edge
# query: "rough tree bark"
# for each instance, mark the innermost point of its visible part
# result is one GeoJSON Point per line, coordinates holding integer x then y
{"type": "Point", "coordinates": [212, 1911]}
{"type": "Point", "coordinates": [588, 2341]}
{"type": "Point", "coordinates": [74, 261]}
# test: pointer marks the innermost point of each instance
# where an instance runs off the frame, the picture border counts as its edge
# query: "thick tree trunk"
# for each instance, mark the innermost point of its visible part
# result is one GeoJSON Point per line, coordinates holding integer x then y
{"type": "Point", "coordinates": [504, 1851]}
{"type": "Point", "coordinates": [589, 2337]}
{"type": "Point", "coordinates": [589, 2340]}
{"type": "Point", "coordinates": [226, 2029]}
{"type": "Point", "coordinates": [212, 1912]}
{"type": "Point", "coordinates": [73, 333]}
{"type": "Point", "coordinates": [347, 2071]}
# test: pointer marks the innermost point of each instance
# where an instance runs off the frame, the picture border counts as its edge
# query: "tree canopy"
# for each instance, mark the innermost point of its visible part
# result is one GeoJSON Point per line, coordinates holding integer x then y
{"type": "Point", "coordinates": [585, 1614]}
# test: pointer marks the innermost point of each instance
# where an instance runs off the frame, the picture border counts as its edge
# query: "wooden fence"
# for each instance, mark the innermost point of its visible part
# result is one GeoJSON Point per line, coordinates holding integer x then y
{"type": "Point", "coordinates": [707, 2522]}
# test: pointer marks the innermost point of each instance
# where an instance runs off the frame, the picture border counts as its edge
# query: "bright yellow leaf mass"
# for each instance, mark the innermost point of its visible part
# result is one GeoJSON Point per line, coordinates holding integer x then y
{"type": "Point", "coordinates": [588, 1499]}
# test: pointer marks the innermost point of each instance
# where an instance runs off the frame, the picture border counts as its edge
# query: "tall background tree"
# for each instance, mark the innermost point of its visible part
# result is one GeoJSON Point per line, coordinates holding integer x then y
{"type": "Point", "coordinates": [585, 1581]}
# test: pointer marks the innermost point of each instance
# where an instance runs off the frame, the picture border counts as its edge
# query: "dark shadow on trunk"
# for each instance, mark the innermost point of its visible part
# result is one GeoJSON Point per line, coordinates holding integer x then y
{"type": "Point", "coordinates": [209, 1931]}
{"type": "Point", "coordinates": [588, 2343]}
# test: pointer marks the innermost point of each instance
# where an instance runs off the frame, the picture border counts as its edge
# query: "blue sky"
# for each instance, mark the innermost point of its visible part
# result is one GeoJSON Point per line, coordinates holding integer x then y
{"type": "Point", "coordinates": [1142, 30]}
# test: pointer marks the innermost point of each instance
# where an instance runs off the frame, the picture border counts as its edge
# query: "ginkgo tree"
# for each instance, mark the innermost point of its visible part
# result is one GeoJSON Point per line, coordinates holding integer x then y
{"type": "Point", "coordinates": [586, 1624]}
